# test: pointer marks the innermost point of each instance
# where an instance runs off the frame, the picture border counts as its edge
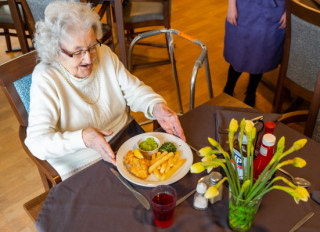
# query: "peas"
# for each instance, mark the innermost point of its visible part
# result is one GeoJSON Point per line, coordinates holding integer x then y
{"type": "Point", "coordinates": [148, 145]}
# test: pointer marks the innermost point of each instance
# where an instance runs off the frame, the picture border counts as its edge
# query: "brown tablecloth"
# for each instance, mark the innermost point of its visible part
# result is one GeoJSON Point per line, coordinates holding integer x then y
{"type": "Point", "coordinates": [95, 200]}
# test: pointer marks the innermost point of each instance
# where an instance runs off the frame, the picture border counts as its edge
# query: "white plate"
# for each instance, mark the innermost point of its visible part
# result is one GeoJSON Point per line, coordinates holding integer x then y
{"type": "Point", "coordinates": [151, 180]}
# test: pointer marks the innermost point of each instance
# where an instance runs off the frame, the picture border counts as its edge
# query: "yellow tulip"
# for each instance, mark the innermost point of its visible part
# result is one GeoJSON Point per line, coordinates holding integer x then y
{"type": "Point", "coordinates": [299, 193]}
{"type": "Point", "coordinates": [248, 127]}
{"type": "Point", "coordinates": [213, 142]}
{"type": "Point", "coordinates": [197, 168]}
{"type": "Point", "coordinates": [299, 144]}
{"type": "Point", "coordinates": [208, 158]}
{"type": "Point", "coordinates": [205, 151]}
{"type": "Point", "coordinates": [245, 186]}
{"type": "Point", "coordinates": [299, 162]}
{"type": "Point", "coordinates": [233, 126]}
{"type": "Point", "coordinates": [296, 162]}
{"type": "Point", "coordinates": [213, 190]}
{"type": "Point", "coordinates": [253, 133]}
{"type": "Point", "coordinates": [280, 145]}
{"type": "Point", "coordinates": [242, 124]}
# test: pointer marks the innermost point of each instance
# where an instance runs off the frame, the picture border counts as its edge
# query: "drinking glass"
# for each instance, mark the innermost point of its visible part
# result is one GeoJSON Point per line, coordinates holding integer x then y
{"type": "Point", "coordinates": [163, 202]}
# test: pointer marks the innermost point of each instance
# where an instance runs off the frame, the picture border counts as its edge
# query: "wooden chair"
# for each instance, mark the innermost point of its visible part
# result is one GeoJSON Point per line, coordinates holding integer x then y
{"type": "Point", "coordinates": [13, 22]}
{"type": "Point", "coordinates": [139, 14]}
{"type": "Point", "coordinates": [15, 81]}
{"type": "Point", "coordinates": [300, 67]}
{"type": "Point", "coordinates": [145, 13]}
{"type": "Point", "coordinates": [35, 11]}
{"type": "Point", "coordinates": [105, 9]}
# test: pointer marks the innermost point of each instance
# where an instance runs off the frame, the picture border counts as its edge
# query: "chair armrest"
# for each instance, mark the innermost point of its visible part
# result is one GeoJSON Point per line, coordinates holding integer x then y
{"type": "Point", "coordinates": [43, 165]}
{"type": "Point", "coordinates": [295, 116]}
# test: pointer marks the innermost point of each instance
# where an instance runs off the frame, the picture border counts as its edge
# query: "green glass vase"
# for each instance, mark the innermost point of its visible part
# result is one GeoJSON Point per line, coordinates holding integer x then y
{"type": "Point", "coordinates": [242, 213]}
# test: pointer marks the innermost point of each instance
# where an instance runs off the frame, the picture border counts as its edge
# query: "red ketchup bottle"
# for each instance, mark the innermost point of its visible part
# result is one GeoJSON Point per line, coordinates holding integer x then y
{"type": "Point", "coordinates": [265, 154]}
{"type": "Point", "coordinates": [268, 129]}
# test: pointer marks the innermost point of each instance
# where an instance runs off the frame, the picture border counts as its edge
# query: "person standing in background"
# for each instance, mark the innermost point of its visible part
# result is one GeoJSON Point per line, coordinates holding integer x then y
{"type": "Point", "coordinates": [254, 36]}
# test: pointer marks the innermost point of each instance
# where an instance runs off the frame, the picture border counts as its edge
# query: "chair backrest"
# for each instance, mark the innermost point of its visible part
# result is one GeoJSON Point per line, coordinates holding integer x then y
{"type": "Point", "coordinates": [13, 16]}
{"type": "Point", "coordinates": [35, 9]}
{"type": "Point", "coordinates": [300, 67]}
{"type": "Point", "coordinates": [15, 80]}
{"type": "Point", "coordinates": [145, 13]}
{"type": "Point", "coordinates": [304, 54]}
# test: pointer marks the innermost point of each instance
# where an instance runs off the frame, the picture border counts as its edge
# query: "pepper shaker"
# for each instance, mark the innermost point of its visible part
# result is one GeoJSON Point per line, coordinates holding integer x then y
{"type": "Point", "coordinates": [215, 177]}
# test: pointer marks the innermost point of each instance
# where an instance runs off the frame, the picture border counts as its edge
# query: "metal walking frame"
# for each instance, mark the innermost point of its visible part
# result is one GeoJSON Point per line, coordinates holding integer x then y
{"type": "Point", "coordinates": [203, 57]}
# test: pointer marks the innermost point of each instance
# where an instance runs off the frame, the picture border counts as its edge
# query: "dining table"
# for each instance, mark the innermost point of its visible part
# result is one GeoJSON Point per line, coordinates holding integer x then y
{"type": "Point", "coordinates": [95, 200]}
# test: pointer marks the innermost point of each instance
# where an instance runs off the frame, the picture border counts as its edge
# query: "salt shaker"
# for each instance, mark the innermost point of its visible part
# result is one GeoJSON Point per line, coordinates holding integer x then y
{"type": "Point", "coordinates": [215, 177]}
{"type": "Point", "coordinates": [200, 202]}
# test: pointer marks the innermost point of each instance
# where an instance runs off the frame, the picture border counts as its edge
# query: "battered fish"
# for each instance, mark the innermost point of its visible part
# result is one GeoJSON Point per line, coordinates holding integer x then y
{"type": "Point", "coordinates": [138, 167]}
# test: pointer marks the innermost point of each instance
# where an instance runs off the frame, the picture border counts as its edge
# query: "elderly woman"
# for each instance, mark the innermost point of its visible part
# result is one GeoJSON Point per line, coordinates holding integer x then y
{"type": "Point", "coordinates": [80, 91]}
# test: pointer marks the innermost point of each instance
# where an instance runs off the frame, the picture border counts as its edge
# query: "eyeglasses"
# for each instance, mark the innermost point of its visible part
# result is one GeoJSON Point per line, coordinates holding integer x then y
{"type": "Point", "coordinates": [81, 53]}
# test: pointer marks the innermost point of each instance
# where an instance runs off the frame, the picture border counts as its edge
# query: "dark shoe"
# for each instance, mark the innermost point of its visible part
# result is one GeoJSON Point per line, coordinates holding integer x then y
{"type": "Point", "coordinates": [250, 100]}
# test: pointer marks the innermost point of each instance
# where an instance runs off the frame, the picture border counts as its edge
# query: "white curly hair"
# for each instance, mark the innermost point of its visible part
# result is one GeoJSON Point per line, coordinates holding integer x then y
{"type": "Point", "coordinates": [61, 20]}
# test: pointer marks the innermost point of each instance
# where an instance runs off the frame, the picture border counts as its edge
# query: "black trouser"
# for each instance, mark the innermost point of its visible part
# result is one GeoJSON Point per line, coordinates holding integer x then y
{"type": "Point", "coordinates": [233, 77]}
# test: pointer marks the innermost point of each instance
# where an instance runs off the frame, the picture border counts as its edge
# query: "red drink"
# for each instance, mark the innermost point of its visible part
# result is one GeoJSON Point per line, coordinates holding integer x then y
{"type": "Point", "coordinates": [163, 203]}
{"type": "Point", "coordinates": [162, 212]}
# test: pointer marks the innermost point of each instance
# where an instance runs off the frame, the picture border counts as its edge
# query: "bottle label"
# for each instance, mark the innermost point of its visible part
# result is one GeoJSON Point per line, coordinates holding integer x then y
{"type": "Point", "coordinates": [263, 150]}
{"type": "Point", "coordinates": [237, 156]}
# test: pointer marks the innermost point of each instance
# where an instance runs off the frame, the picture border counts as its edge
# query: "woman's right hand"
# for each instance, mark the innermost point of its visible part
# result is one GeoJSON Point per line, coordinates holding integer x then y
{"type": "Point", "coordinates": [94, 139]}
{"type": "Point", "coordinates": [232, 13]}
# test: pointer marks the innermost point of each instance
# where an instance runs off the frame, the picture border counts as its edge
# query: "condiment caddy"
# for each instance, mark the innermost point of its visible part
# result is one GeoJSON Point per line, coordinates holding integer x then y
{"type": "Point", "coordinates": [200, 202]}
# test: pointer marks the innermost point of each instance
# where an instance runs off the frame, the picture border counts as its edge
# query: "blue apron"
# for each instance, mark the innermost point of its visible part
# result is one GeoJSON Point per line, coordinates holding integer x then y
{"type": "Point", "coordinates": [256, 44]}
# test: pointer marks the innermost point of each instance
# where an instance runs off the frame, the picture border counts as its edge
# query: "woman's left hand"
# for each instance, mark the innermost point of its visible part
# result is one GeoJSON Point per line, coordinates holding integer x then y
{"type": "Point", "coordinates": [283, 21]}
{"type": "Point", "coordinates": [168, 120]}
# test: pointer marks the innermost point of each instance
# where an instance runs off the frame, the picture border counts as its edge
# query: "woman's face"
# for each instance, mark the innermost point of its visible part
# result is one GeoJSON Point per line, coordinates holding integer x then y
{"type": "Point", "coordinates": [80, 65]}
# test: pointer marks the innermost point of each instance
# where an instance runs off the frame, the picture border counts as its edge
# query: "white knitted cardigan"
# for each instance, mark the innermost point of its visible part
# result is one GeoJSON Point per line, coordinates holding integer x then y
{"type": "Point", "coordinates": [61, 107]}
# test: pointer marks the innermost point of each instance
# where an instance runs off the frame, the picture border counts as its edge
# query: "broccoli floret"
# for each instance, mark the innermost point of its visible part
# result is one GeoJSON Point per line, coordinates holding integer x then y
{"type": "Point", "coordinates": [168, 146]}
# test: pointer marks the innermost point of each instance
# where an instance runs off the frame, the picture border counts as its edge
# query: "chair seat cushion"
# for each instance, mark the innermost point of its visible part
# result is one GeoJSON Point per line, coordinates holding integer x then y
{"type": "Point", "coordinates": [304, 58]}
{"type": "Point", "coordinates": [135, 12]}
{"type": "Point", "coordinates": [23, 89]}
{"type": "Point", "coordinates": [5, 14]}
